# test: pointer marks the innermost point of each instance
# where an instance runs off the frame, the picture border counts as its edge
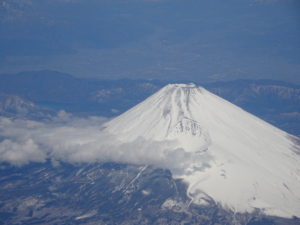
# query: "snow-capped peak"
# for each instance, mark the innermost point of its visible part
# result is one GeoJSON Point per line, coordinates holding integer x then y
{"type": "Point", "coordinates": [165, 115]}
{"type": "Point", "coordinates": [249, 164]}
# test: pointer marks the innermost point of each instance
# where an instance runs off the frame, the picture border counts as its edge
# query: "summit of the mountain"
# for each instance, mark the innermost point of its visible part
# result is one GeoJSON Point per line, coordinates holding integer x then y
{"type": "Point", "coordinates": [167, 115]}
{"type": "Point", "coordinates": [240, 161]}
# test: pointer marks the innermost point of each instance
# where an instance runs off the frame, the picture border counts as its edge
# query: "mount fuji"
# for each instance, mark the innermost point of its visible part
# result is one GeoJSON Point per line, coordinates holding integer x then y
{"type": "Point", "coordinates": [238, 160]}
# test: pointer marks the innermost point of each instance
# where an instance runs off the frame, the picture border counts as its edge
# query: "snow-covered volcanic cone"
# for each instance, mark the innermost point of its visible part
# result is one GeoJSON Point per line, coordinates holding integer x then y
{"type": "Point", "coordinates": [250, 163]}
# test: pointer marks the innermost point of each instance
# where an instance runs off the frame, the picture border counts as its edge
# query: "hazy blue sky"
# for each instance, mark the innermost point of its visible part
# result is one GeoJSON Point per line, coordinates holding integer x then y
{"type": "Point", "coordinates": [200, 40]}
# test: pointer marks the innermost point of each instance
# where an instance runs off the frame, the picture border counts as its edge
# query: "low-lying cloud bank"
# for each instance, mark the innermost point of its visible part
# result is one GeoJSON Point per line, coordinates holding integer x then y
{"type": "Point", "coordinates": [77, 140]}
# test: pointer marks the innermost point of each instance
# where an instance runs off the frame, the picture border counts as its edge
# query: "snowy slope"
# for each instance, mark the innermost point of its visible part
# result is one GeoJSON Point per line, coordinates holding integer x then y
{"type": "Point", "coordinates": [240, 161]}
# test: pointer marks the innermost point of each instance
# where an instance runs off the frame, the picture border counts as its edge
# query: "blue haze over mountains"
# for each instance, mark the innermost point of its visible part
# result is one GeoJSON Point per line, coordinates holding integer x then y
{"type": "Point", "coordinates": [42, 94]}
{"type": "Point", "coordinates": [171, 39]}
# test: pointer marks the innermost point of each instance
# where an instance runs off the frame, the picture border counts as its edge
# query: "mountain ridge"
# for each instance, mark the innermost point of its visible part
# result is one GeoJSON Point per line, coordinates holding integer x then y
{"type": "Point", "coordinates": [276, 101]}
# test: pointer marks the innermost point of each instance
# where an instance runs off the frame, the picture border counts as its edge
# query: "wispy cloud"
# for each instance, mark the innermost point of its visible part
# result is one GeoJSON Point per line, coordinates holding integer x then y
{"type": "Point", "coordinates": [78, 140]}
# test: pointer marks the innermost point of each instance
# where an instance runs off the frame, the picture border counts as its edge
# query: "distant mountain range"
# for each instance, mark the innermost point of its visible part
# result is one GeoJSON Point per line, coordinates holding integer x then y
{"type": "Point", "coordinates": [274, 101]}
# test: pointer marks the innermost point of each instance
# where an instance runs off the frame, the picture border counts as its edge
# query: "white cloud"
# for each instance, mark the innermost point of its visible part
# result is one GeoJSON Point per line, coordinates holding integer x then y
{"type": "Point", "coordinates": [18, 153]}
{"type": "Point", "coordinates": [79, 140]}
